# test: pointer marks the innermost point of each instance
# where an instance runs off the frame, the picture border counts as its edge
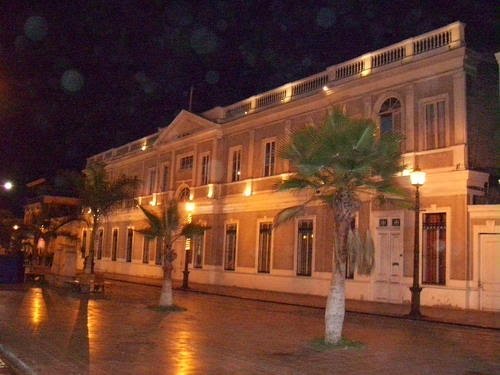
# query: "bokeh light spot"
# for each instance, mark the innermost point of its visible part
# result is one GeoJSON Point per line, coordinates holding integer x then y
{"type": "Point", "coordinates": [36, 28]}
{"type": "Point", "coordinates": [72, 80]}
{"type": "Point", "coordinates": [203, 41]}
{"type": "Point", "coordinates": [325, 18]}
{"type": "Point", "coordinates": [212, 77]}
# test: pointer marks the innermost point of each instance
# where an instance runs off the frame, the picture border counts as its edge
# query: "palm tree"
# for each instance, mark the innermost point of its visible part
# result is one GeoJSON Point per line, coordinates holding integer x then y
{"type": "Point", "coordinates": [166, 226]}
{"type": "Point", "coordinates": [98, 194]}
{"type": "Point", "coordinates": [337, 163]}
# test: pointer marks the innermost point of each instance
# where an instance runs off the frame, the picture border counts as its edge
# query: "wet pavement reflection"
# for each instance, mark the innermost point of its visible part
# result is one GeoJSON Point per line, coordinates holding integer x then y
{"type": "Point", "coordinates": [57, 332]}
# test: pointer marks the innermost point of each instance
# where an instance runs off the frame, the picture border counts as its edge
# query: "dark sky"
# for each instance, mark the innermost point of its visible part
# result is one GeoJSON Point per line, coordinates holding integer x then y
{"type": "Point", "coordinates": [80, 76]}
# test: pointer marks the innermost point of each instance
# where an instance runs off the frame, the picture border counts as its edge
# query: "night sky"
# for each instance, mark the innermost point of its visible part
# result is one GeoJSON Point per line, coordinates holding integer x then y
{"type": "Point", "coordinates": [79, 77]}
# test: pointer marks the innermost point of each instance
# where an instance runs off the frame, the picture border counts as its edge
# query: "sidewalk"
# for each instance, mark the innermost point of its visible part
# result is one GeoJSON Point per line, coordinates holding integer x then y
{"type": "Point", "coordinates": [473, 318]}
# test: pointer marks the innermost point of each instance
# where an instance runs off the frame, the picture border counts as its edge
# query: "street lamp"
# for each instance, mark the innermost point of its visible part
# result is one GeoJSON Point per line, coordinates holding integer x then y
{"type": "Point", "coordinates": [417, 179]}
{"type": "Point", "coordinates": [8, 185]}
{"type": "Point", "coordinates": [187, 250]}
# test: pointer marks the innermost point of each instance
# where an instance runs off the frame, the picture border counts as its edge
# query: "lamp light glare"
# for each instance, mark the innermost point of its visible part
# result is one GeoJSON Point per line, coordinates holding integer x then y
{"type": "Point", "coordinates": [417, 177]}
{"type": "Point", "coordinates": [189, 207]}
{"type": "Point", "coordinates": [8, 185]}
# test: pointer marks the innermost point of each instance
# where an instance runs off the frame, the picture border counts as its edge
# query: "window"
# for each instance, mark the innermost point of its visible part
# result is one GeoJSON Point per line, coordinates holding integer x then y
{"type": "Point", "coordinates": [159, 255]}
{"type": "Point", "coordinates": [114, 244]}
{"type": "Point", "coordinates": [205, 169]}
{"type": "Point", "coordinates": [130, 242]}
{"type": "Point", "coordinates": [390, 116]}
{"type": "Point", "coordinates": [269, 158]}
{"type": "Point", "coordinates": [305, 237]}
{"type": "Point", "coordinates": [349, 266]}
{"type": "Point", "coordinates": [186, 163]}
{"type": "Point", "coordinates": [100, 238]}
{"type": "Point", "coordinates": [434, 249]}
{"type": "Point", "coordinates": [435, 126]}
{"type": "Point", "coordinates": [197, 243]}
{"type": "Point", "coordinates": [230, 247]}
{"type": "Point", "coordinates": [151, 181]}
{"type": "Point", "coordinates": [236, 165]}
{"type": "Point", "coordinates": [184, 194]}
{"type": "Point", "coordinates": [84, 243]}
{"type": "Point", "coordinates": [265, 233]}
{"type": "Point", "coordinates": [165, 178]}
{"type": "Point", "coordinates": [145, 249]}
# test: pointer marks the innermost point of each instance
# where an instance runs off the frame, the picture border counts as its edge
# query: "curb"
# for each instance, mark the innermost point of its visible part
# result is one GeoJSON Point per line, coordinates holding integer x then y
{"type": "Point", "coordinates": [17, 365]}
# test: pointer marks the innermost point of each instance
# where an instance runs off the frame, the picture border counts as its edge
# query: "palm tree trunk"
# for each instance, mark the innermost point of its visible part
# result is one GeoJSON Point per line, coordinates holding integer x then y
{"type": "Point", "coordinates": [335, 303]}
{"type": "Point", "coordinates": [335, 308]}
{"type": "Point", "coordinates": [89, 260]}
{"type": "Point", "coordinates": [166, 296]}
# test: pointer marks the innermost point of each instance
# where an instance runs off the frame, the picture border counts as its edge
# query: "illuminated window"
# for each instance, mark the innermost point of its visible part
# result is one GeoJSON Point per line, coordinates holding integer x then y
{"type": "Point", "coordinates": [390, 116]}
{"type": "Point", "coordinates": [100, 238]}
{"type": "Point", "coordinates": [434, 249]}
{"type": "Point", "coordinates": [230, 247]}
{"type": "Point", "coordinates": [305, 235]}
{"type": "Point", "coordinates": [84, 243]}
{"type": "Point", "coordinates": [159, 252]}
{"type": "Point", "coordinates": [205, 169]}
{"type": "Point", "coordinates": [265, 233]}
{"type": "Point", "coordinates": [151, 181]}
{"type": "Point", "coordinates": [145, 249]}
{"type": "Point", "coordinates": [269, 158]}
{"type": "Point", "coordinates": [236, 165]}
{"type": "Point", "coordinates": [184, 194]}
{"type": "Point", "coordinates": [349, 266]}
{"type": "Point", "coordinates": [164, 182]}
{"type": "Point", "coordinates": [114, 244]}
{"type": "Point", "coordinates": [130, 242]}
{"type": "Point", "coordinates": [197, 243]}
{"type": "Point", "coordinates": [435, 125]}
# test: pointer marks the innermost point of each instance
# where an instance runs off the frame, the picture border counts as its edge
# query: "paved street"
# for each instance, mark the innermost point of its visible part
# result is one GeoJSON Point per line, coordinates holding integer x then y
{"type": "Point", "coordinates": [51, 331]}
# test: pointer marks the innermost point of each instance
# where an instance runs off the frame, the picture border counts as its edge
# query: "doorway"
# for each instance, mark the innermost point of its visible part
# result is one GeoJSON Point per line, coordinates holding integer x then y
{"type": "Point", "coordinates": [389, 258]}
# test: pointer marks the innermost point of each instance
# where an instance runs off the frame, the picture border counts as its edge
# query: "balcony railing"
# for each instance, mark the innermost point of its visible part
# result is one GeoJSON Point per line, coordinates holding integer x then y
{"type": "Point", "coordinates": [448, 37]}
{"type": "Point", "coordinates": [140, 145]}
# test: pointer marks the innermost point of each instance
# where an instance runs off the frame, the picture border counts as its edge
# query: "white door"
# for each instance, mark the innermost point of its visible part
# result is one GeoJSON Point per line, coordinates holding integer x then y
{"type": "Point", "coordinates": [389, 262]}
{"type": "Point", "coordinates": [489, 272]}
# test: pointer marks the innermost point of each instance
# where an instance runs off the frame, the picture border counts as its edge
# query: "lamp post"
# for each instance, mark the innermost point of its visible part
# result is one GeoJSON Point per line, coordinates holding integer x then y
{"type": "Point", "coordinates": [185, 273]}
{"type": "Point", "coordinates": [417, 179]}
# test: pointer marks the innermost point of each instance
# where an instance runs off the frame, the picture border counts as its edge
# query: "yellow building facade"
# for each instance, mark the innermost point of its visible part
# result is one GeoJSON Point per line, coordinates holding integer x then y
{"type": "Point", "coordinates": [225, 163]}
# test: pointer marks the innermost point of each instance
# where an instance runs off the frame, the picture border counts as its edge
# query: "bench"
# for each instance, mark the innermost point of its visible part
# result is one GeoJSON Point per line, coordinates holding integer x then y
{"type": "Point", "coordinates": [34, 276]}
{"type": "Point", "coordinates": [96, 286]}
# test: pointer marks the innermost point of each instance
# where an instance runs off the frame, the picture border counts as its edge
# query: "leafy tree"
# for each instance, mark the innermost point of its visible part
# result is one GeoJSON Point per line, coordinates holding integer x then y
{"type": "Point", "coordinates": [167, 227]}
{"type": "Point", "coordinates": [98, 194]}
{"type": "Point", "coordinates": [337, 163]}
{"type": "Point", "coordinates": [7, 231]}
{"type": "Point", "coordinates": [47, 229]}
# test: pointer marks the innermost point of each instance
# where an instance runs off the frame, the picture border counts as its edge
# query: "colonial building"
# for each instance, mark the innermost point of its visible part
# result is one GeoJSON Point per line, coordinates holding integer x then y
{"type": "Point", "coordinates": [224, 163]}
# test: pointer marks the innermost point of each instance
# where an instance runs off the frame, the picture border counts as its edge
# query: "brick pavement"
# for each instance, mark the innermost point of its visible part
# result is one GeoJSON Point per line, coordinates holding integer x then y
{"type": "Point", "coordinates": [51, 331]}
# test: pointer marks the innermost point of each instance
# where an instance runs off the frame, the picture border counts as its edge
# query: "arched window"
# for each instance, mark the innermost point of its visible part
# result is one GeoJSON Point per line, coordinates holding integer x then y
{"type": "Point", "coordinates": [390, 116]}
{"type": "Point", "coordinates": [184, 194]}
